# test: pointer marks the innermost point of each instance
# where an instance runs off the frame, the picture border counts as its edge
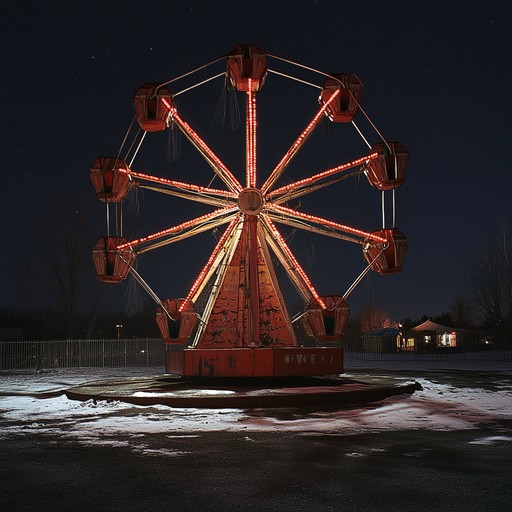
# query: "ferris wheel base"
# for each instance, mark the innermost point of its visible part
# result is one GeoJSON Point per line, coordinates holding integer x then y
{"type": "Point", "coordinates": [254, 362]}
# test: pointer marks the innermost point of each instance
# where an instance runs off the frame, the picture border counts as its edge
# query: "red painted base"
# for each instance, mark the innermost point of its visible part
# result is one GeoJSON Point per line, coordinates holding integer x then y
{"type": "Point", "coordinates": [254, 362]}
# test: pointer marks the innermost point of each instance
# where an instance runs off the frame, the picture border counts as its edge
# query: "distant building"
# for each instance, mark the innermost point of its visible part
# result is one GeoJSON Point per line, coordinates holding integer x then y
{"type": "Point", "coordinates": [384, 340]}
{"type": "Point", "coordinates": [430, 336]}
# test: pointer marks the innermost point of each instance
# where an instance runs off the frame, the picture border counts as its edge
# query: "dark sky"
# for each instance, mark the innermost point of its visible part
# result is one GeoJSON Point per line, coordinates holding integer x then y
{"type": "Point", "coordinates": [437, 77]}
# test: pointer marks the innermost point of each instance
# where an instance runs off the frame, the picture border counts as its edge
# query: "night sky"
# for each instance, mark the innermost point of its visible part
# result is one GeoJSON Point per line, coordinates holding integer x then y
{"type": "Point", "coordinates": [437, 77]}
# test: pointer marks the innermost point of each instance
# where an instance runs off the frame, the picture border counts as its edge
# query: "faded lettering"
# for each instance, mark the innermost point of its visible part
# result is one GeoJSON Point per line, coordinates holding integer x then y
{"type": "Point", "coordinates": [306, 358]}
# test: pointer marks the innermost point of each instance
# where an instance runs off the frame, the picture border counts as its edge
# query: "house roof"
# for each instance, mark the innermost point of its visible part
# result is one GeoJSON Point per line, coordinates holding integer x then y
{"type": "Point", "coordinates": [432, 326]}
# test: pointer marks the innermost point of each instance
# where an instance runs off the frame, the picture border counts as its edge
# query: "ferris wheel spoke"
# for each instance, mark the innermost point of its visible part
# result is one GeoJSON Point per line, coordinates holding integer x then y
{"type": "Point", "coordinates": [179, 232]}
{"type": "Point", "coordinates": [213, 160]}
{"type": "Point", "coordinates": [250, 135]}
{"type": "Point", "coordinates": [315, 178]}
{"type": "Point", "coordinates": [291, 215]}
{"type": "Point", "coordinates": [305, 226]}
{"type": "Point", "coordinates": [296, 273]}
{"type": "Point", "coordinates": [301, 139]}
{"type": "Point", "coordinates": [223, 247]}
{"type": "Point", "coordinates": [189, 191]}
{"type": "Point", "coordinates": [191, 196]}
{"type": "Point", "coordinates": [179, 184]}
{"type": "Point", "coordinates": [299, 192]}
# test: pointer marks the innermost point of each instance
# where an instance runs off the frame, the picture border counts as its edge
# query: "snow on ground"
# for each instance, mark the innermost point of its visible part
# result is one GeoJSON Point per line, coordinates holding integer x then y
{"type": "Point", "coordinates": [441, 405]}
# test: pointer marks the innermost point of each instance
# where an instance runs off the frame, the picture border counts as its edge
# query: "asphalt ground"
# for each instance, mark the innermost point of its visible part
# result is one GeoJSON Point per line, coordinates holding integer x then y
{"type": "Point", "coordinates": [414, 471]}
{"type": "Point", "coordinates": [401, 469]}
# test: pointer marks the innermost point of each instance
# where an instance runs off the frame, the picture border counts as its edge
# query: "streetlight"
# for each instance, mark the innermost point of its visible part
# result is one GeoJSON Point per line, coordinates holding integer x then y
{"type": "Point", "coordinates": [119, 327]}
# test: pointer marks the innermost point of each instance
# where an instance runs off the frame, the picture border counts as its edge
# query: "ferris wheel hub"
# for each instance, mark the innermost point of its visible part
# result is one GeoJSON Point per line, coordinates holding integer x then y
{"type": "Point", "coordinates": [251, 201]}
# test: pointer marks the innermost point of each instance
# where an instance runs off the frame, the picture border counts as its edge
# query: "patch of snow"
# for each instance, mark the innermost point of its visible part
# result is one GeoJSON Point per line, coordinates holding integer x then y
{"type": "Point", "coordinates": [491, 440]}
{"type": "Point", "coordinates": [187, 392]}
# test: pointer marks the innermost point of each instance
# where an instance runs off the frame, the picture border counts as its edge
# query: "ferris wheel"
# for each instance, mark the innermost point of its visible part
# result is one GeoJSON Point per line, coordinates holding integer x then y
{"type": "Point", "coordinates": [234, 320]}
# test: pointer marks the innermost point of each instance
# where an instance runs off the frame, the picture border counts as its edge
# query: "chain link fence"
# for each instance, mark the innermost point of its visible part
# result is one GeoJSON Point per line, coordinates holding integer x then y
{"type": "Point", "coordinates": [115, 353]}
{"type": "Point", "coordinates": [40, 355]}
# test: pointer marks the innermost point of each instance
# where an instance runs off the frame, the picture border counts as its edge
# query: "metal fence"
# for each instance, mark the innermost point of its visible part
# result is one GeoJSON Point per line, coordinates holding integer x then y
{"type": "Point", "coordinates": [114, 353]}
{"type": "Point", "coordinates": [38, 355]}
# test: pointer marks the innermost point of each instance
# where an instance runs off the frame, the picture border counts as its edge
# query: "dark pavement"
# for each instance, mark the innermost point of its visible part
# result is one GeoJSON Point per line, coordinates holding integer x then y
{"type": "Point", "coordinates": [413, 470]}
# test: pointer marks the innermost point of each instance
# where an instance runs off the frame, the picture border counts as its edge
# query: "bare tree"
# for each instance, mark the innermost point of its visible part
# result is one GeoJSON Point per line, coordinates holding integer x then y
{"type": "Point", "coordinates": [50, 269]}
{"type": "Point", "coordinates": [491, 281]}
{"type": "Point", "coordinates": [374, 319]}
{"type": "Point", "coordinates": [461, 312]}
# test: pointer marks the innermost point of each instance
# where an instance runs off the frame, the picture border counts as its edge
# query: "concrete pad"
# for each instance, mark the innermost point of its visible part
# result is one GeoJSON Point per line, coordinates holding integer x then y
{"type": "Point", "coordinates": [241, 393]}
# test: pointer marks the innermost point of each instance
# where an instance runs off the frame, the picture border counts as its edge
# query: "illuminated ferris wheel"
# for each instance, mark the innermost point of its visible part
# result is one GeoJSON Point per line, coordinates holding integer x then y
{"type": "Point", "coordinates": [234, 320]}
